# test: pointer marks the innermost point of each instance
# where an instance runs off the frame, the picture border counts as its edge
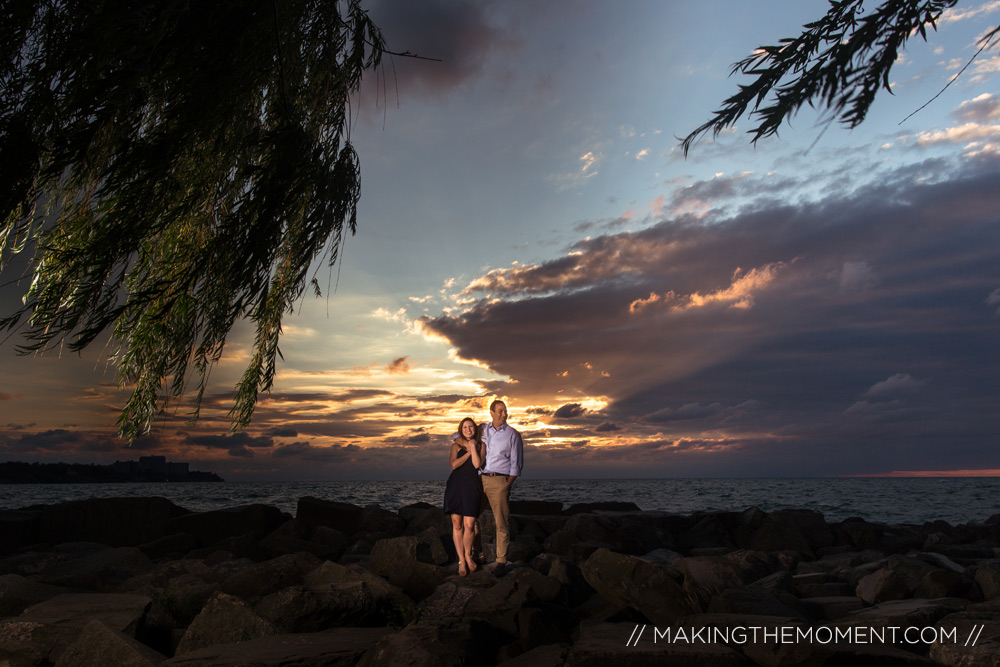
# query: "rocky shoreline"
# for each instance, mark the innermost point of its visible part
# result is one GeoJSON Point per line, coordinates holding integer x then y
{"type": "Point", "coordinates": [141, 581]}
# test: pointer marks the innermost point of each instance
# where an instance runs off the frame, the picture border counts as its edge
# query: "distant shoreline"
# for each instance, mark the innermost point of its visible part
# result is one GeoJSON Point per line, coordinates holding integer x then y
{"type": "Point", "coordinates": [18, 472]}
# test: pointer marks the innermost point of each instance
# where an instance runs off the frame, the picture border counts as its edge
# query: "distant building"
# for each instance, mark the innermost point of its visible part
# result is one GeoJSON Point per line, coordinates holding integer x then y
{"type": "Point", "coordinates": [155, 465]}
{"type": "Point", "coordinates": [177, 471]}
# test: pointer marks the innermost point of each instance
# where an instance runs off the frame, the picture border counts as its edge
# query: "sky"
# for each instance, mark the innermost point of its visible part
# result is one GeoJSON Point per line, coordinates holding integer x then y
{"type": "Point", "coordinates": [825, 302]}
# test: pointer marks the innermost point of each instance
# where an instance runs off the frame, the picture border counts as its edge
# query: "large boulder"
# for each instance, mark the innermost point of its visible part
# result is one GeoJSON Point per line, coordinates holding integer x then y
{"type": "Point", "coordinates": [387, 554]}
{"type": "Point", "coordinates": [349, 519]}
{"type": "Point", "coordinates": [881, 586]}
{"type": "Point", "coordinates": [95, 567]}
{"type": "Point", "coordinates": [501, 604]}
{"type": "Point", "coordinates": [18, 593]}
{"type": "Point", "coordinates": [112, 521]}
{"type": "Point", "coordinates": [987, 575]}
{"type": "Point", "coordinates": [43, 631]}
{"type": "Point", "coordinates": [333, 648]}
{"type": "Point", "coordinates": [224, 620]}
{"type": "Point", "coordinates": [450, 642]}
{"type": "Point", "coordinates": [392, 604]}
{"type": "Point", "coordinates": [293, 536]}
{"type": "Point", "coordinates": [653, 590]}
{"type": "Point", "coordinates": [97, 645]}
{"type": "Point", "coordinates": [262, 579]}
{"type": "Point", "coordinates": [299, 609]}
{"type": "Point", "coordinates": [802, 531]}
{"type": "Point", "coordinates": [218, 525]}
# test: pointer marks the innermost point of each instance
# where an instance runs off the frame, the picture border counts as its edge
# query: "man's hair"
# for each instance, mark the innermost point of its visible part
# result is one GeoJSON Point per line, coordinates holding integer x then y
{"type": "Point", "coordinates": [494, 404]}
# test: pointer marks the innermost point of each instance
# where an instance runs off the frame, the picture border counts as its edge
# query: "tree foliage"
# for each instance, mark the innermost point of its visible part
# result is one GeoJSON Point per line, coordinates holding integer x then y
{"type": "Point", "coordinates": [171, 168]}
{"type": "Point", "coordinates": [839, 63]}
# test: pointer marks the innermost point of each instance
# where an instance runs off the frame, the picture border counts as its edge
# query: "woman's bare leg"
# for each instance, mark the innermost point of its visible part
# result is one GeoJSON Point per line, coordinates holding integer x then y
{"type": "Point", "coordinates": [469, 534]}
{"type": "Point", "coordinates": [458, 537]}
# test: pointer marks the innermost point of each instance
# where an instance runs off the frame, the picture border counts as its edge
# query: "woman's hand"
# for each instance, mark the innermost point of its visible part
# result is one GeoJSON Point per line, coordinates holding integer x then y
{"type": "Point", "coordinates": [459, 455]}
{"type": "Point", "coordinates": [475, 450]}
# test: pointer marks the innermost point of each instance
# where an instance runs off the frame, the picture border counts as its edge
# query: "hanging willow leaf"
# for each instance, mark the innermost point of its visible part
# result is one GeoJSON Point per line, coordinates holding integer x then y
{"type": "Point", "coordinates": [171, 168]}
{"type": "Point", "coordinates": [839, 62]}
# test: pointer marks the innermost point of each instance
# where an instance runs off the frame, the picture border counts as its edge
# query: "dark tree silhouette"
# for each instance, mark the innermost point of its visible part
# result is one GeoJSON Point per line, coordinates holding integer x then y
{"type": "Point", "coordinates": [839, 63]}
{"type": "Point", "coordinates": [170, 168]}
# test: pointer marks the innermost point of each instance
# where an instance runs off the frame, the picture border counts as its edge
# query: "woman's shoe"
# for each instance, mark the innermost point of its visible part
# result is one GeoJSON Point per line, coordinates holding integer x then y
{"type": "Point", "coordinates": [462, 571]}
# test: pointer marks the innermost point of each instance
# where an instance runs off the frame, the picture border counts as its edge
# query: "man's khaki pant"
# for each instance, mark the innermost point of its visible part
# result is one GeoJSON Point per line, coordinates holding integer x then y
{"type": "Point", "coordinates": [498, 493]}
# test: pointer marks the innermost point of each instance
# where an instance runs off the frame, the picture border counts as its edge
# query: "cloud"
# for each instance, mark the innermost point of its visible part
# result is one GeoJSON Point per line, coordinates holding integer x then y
{"type": "Point", "coordinates": [960, 134]}
{"type": "Point", "coordinates": [398, 365]}
{"type": "Point", "coordinates": [952, 15]}
{"type": "Point", "coordinates": [569, 411]}
{"type": "Point", "coordinates": [460, 35]}
{"type": "Point", "coordinates": [238, 444]}
{"type": "Point", "coordinates": [981, 109]}
{"type": "Point", "coordinates": [857, 277]}
{"type": "Point", "coordinates": [764, 324]}
{"type": "Point", "coordinates": [900, 383]}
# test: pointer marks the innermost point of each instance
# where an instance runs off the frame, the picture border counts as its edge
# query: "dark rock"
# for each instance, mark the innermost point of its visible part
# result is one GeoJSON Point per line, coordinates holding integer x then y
{"type": "Point", "coordinates": [101, 569]}
{"type": "Point", "coordinates": [446, 643]}
{"type": "Point", "coordinates": [434, 539]}
{"type": "Point", "coordinates": [182, 587]}
{"type": "Point", "coordinates": [977, 637]}
{"type": "Point", "coordinates": [393, 605]}
{"type": "Point", "coordinates": [418, 580]}
{"type": "Point", "coordinates": [334, 648]}
{"type": "Point", "coordinates": [881, 586]}
{"type": "Point", "coordinates": [113, 521]}
{"type": "Point", "coordinates": [224, 620]}
{"type": "Point", "coordinates": [18, 593]}
{"type": "Point", "coordinates": [421, 516]}
{"type": "Point", "coordinates": [343, 517]}
{"type": "Point", "coordinates": [349, 519]}
{"type": "Point", "coordinates": [755, 601]}
{"type": "Point", "coordinates": [653, 590]}
{"type": "Point", "coordinates": [500, 604]}
{"type": "Point", "coordinates": [388, 553]}
{"type": "Point", "coordinates": [831, 608]}
{"type": "Point", "coordinates": [170, 545]}
{"type": "Point", "coordinates": [43, 631]}
{"type": "Point", "coordinates": [709, 532]}
{"type": "Point", "coordinates": [942, 584]}
{"type": "Point", "coordinates": [802, 531]}
{"type": "Point", "coordinates": [97, 645]}
{"type": "Point", "coordinates": [299, 609]}
{"type": "Point", "coordinates": [215, 526]}
{"type": "Point", "coordinates": [551, 655]}
{"type": "Point", "coordinates": [261, 579]}
{"type": "Point", "coordinates": [449, 600]}
{"type": "Point", "coordinates": [987, 575]}
{"type": "Point", "coordinates": [18, 529]}
{"type": "Point", "coordinates": [292, 537]}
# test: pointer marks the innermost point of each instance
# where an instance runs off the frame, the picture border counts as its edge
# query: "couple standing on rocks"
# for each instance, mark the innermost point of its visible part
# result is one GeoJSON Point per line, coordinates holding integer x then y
{"type": "Point", "coordinates": [485, 460]}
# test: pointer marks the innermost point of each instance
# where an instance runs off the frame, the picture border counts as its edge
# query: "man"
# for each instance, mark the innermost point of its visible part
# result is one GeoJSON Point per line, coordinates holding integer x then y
{"type": "Point", "coordinates": [504, 459]}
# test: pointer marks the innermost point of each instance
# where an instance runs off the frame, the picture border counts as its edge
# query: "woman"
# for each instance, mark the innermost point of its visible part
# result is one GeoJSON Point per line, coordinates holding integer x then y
{"type": "Point", "coordinates": [463, 492]}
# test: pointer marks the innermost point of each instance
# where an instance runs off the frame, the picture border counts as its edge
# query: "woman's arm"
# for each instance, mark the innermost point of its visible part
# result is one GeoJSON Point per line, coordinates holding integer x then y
{"type": "Point", "coordinates": [476, 452]}
{"type": "Point", "coordinates": [456, 459]}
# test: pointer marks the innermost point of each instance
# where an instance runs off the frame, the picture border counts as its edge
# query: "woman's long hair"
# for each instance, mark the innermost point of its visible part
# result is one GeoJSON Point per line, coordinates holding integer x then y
{"type": "Point", "coordinates": [475, 429]}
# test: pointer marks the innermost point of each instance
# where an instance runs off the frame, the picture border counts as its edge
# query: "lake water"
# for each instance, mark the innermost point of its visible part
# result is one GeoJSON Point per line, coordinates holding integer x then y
{"type": "Point", "coordinates": [955, 500]}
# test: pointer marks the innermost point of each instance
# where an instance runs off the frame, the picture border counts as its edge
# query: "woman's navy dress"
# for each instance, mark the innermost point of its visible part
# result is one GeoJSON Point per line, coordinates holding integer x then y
{"type": "Point", "coordinates": [464, 490]}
